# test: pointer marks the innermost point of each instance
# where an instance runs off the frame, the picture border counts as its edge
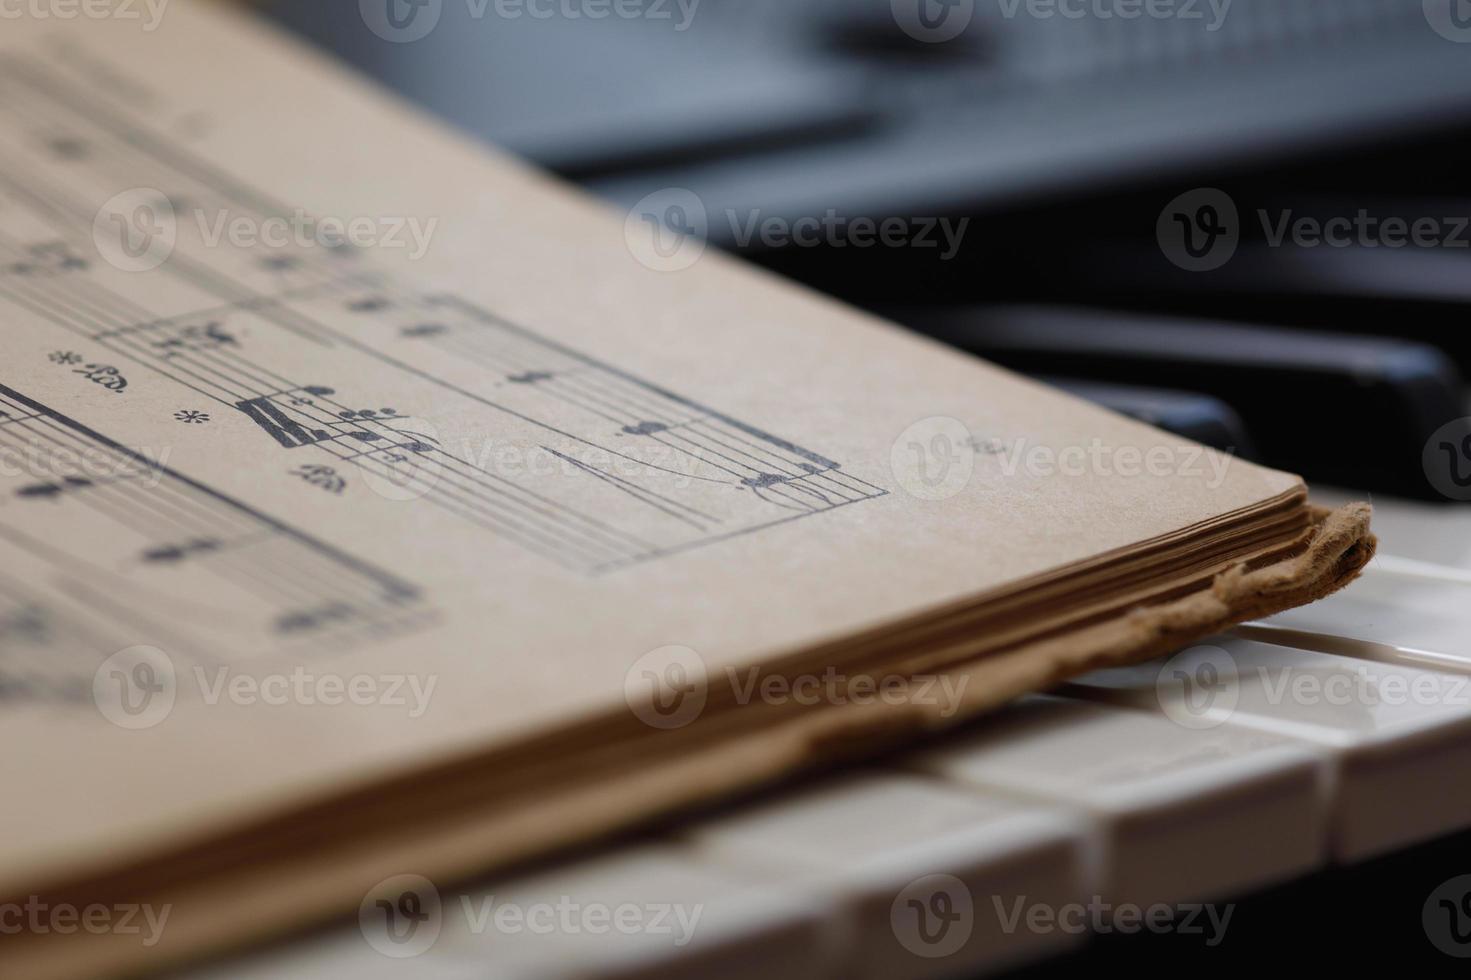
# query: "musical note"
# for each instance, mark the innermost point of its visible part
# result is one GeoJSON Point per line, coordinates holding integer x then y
{"type": "Point", "coordinates": [621, 468]}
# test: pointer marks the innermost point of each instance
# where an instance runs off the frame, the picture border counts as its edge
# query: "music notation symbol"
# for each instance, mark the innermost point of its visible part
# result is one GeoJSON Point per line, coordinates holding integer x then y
{"type": "Point", "coordinates": [325, 477]}
{"type": "Point", "coordinates": [48, 257]}
{"type": "Point", "coordinates": [295, 422]}
{"type": "Point", "coordinates": [51, 491]}
{"type": "Point", "coordinates": [266, 413]}
{"type": "Point", "coordinates": [26, 624]}
{"type": "Point", "coordinates": [175, 553]}
{"type": "Point", "coordinates": [14, 418]}
{"type": "Point", "coordinates": [307, 620]}
{"type": "Point", "coordinates": [207, 336]}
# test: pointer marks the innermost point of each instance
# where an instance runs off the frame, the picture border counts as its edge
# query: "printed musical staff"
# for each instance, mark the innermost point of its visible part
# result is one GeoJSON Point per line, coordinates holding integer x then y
{"type": "Point", "coordinates": [218, 578]}
{"type": "Point", "coordinates": [540, 444]}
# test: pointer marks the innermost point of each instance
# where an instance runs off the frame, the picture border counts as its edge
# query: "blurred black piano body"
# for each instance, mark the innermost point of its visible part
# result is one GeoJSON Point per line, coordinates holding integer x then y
{"type": "Point", "coordinates": [1064, 134]}
{"type": "Point", "coordinates": [1249, 225]}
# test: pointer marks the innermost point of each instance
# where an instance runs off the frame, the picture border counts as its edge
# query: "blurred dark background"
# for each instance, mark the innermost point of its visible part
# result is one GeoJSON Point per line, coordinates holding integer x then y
{"type": "Point", "coordinates": [1081, 141]}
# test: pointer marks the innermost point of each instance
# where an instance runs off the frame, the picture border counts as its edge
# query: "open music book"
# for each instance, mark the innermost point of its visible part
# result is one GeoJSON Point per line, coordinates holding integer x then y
{"type": "Point", "coordinates": [374, 505]}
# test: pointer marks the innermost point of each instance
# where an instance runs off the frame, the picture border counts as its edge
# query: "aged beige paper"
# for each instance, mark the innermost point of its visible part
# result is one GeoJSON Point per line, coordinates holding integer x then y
{"type": "Point", "coordinates": [340, 449]}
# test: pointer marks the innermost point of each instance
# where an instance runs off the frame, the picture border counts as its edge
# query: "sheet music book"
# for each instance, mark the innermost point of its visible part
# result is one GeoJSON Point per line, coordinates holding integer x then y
{"type": "Point", "coordinates": [373, 504]}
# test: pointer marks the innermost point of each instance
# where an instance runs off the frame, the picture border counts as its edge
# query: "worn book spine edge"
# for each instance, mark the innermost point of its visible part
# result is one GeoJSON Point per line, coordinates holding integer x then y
{"type": "Point", "coordinates": [297, 891]}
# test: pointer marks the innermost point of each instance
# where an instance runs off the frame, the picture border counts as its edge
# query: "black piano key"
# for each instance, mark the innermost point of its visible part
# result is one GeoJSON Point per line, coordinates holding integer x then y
{"type": "Point", "coordinates": [1204, 419]}
{"type": "Point", "coordinates": [588, 96]}
{"type": "Point", "coordinates": [1336, 408]}
{"type": "Point", "coordinates": [728, 101]}
{"type": "Point", "coordinates": [1418, 293]}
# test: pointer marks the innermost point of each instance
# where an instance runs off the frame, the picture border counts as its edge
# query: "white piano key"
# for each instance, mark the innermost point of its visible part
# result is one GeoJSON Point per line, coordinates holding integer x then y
{"type": "Point", "coordinates": [1399, 737]}
{"type": "Point", "coordinates": [926, 876]}
{"type": "Point", "coordinates": [1419, 619]}
{"type": "Point", "coordinates": [330, 955]}
{"type": "Point", "coordinates": [646, 913]}
{"type": "Point", "coordinates": [1182, 814]}
{"type": "Point", "coordinates": [651, 913]}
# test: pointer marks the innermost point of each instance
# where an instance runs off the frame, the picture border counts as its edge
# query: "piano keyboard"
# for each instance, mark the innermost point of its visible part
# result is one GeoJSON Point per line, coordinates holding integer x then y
{"type": "Point", "coordinates": [1301, 750]}
{"type": "Point", "coordinates": [1329, 736]}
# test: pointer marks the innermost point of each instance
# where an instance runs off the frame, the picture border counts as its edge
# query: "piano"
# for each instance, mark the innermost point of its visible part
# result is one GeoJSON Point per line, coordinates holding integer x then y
{"type": "Point", "coordinates": [1244, 222]}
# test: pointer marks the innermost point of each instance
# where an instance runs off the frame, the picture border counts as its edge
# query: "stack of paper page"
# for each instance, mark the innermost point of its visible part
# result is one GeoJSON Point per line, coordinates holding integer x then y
{"type": "Point", "coordinates": [372, 505]}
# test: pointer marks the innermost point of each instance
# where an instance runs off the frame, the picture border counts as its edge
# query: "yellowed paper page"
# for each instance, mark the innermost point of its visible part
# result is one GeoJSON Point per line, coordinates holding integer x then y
{"type": "Point", "coordinates": [337, 446]}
